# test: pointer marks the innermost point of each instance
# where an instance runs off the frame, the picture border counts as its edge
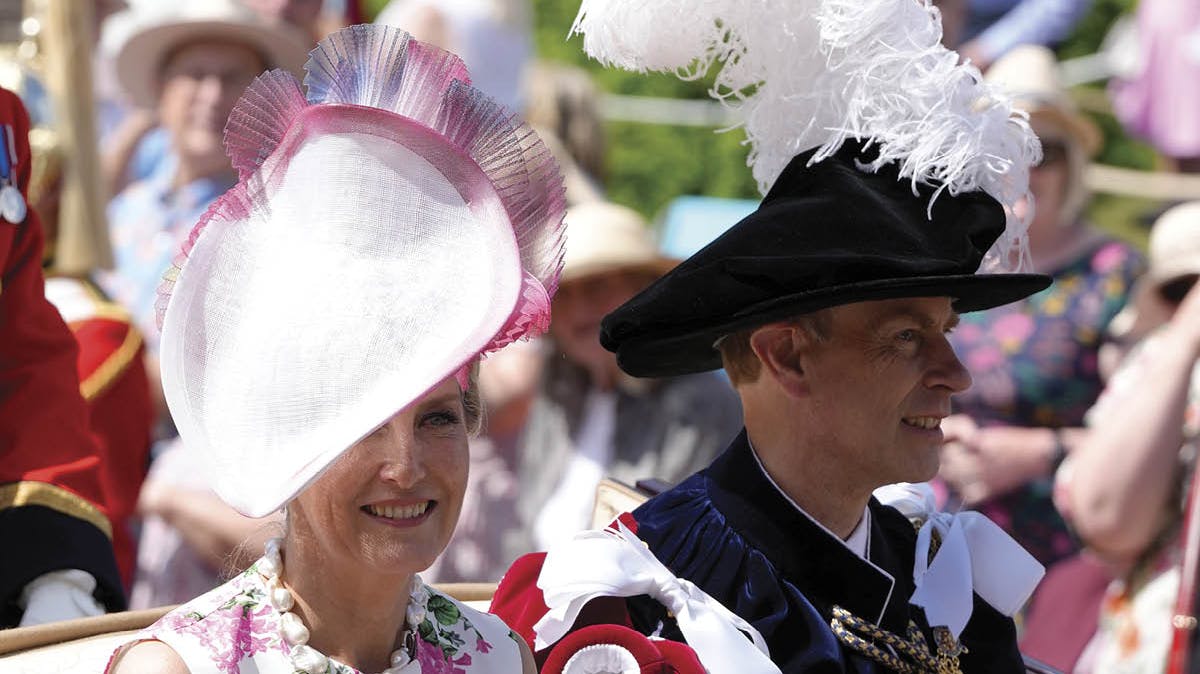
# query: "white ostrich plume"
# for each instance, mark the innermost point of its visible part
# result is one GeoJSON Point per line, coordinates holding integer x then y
{"type": "Point", "coordinates": [807, 74]}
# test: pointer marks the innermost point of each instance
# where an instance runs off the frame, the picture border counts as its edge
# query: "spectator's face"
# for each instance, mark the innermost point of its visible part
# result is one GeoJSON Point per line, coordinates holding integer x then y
{"type": "Point", "coordinates": [391, 502]}
{"type": "Point", "coordinates": [879, 385]}
{"type": "Point", "coordinates": [1050, 180]}
{"type": "Point", "coordinates": [579, 306]}
{"type": "Point", "coordinates": [201, 82]}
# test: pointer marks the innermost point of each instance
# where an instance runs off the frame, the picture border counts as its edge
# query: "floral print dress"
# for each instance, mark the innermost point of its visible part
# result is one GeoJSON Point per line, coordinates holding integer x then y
{"type": "Point", "coordinates": [235, 630]}
{"type": "Point", "coordinates": [1035, 363]}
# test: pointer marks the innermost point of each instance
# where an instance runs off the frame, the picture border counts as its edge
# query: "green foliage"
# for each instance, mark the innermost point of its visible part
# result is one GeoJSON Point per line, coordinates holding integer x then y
{"type": "Point", "coordinates": [1093, 27]}
{"type": "Point", "coordinates": [650, 164]}
{"type": "Point", "coordinates": [1126, 217]}
{"type": "Point", "coordinates": [443, 610]}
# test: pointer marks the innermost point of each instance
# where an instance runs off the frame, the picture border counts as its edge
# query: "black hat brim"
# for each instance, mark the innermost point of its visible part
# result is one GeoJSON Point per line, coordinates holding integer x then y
{"type": "Point", "coordinates": [682, 350]}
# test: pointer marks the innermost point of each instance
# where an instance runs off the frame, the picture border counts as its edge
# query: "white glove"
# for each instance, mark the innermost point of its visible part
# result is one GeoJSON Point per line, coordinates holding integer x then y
{"type": "Point", "coordinates": [59, 595]}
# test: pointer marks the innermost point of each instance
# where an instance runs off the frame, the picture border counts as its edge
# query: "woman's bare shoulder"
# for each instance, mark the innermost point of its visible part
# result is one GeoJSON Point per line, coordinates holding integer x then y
{"type": "Point", "coordinates": [148, 657]}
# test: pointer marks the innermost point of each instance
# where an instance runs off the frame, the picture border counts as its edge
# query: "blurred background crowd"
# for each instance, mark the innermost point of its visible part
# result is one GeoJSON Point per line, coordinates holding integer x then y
{"type": "Point", "coordinates": [1076, 436]}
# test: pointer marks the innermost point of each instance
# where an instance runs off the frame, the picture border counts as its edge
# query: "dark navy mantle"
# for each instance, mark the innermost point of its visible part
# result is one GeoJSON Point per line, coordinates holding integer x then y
{"type": "Point", "coordinates": [730, 531]}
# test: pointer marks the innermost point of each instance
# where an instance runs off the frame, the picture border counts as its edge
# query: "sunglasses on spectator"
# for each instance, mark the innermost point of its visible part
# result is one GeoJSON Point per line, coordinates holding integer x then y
{"type": "Point", "coordinates": [1173, 291]}
{"type": "Point", "coordinates": [1053, 152]}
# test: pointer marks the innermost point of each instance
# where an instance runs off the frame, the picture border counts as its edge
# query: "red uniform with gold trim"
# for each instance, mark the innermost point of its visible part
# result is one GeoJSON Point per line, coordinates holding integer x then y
{"type": "Point", "coordinates": [112, 379]}
{"type": "Point", "coordinates": [52, 508]}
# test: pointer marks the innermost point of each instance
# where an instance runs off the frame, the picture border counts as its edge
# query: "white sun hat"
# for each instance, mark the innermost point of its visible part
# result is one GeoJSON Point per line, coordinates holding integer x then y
{"type": "Point", "coordinates": [385, 231]}
{"type": "Point", "coordinates": [609, 237]}
{"type": "Point", "coordinates": [154, 32]}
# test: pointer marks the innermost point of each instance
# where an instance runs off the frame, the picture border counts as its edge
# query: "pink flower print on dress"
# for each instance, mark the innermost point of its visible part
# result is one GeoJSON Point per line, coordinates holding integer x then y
{"type": "Point", "coordinates": [983, 359]}
{"type": "Point", "coordinates": [482, 645]}
{"type": "Point", "coordinates": [460, 663]}
{"type": "Point", "coordinates": [1109, 258]}
{"type": "Point", "coordinates": [432, 659]}
{"type": "Point", "coordinates": [1012, 331]}
{"type": "Point", "coordinates": [968, 333]}
{"type": "Point", "coordinates": [255, 630]}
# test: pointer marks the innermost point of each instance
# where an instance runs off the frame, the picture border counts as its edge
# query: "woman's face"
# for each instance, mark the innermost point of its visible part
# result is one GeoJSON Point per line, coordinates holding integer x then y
{"type": "Point", "coordinates": [580, 305]}
{"type": "Point", "coordinates": [1050, 181]}
{"type": "Point", "coordinates": [392, 501]}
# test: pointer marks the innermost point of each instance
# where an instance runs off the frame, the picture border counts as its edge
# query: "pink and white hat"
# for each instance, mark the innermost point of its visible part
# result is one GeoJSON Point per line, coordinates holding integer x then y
{"type": "Point", "coordinates": [387, 229]}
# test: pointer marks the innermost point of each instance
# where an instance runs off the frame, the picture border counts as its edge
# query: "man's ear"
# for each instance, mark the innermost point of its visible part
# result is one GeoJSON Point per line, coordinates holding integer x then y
{"type": "Point", "coordinates": [779, 348]}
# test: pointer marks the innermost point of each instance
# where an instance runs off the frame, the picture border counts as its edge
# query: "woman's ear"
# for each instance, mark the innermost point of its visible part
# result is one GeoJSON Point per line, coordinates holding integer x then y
{"type": "Point", "coordinates": [779, 348]}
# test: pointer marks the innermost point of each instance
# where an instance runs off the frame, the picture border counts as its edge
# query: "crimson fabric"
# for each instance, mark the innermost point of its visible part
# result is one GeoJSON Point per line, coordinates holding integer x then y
{"type": "Point", "coordinates": [44, 435]}
{"type": "Point", "coordinates": [824, 235]}
{"type": "Point", "coordinates": [1064, 613]}
{"type": "Point", "coordinates": [121, 417]}
{"type": "Point", "coordinates": [518, 602]}
{"type": "Point", "coordinates": [653, 657]}
{"type": "Point", "coordinates": [513, 601]}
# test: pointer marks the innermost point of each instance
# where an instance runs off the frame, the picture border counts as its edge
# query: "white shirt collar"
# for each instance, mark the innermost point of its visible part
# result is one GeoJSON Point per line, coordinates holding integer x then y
{"type": "Point", "coordinates": [859, 541]}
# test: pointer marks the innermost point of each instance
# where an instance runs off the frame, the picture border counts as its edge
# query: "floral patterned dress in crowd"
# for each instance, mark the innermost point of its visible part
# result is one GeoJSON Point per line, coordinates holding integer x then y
{"type": "Point", "coordinates": [1036, 363]}
{"type": "Point", "coordinates": [234, 629]}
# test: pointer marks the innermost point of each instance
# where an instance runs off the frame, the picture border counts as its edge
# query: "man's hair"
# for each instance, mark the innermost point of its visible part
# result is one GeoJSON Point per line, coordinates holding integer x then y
{"type": "Point", "coordinates": [738, 358]}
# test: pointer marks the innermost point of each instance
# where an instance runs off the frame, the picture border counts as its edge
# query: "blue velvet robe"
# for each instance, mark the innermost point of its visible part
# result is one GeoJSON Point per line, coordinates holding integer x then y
{"type": "Point", "coordinates": [730, 531]}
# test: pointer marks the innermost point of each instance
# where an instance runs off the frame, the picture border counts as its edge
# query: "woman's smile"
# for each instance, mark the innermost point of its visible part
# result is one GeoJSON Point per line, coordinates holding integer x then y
{"type": "Point", "coordinates": [400, 514]}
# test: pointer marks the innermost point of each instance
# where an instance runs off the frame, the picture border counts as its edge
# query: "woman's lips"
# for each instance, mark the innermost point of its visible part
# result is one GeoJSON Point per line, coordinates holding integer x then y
{"type": "Point", "coordinates": [400, 515]}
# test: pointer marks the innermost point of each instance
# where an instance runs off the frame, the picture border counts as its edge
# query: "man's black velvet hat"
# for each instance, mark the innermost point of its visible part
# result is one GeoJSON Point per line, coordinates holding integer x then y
{"type": "Point", "coordinates": [826, 234]}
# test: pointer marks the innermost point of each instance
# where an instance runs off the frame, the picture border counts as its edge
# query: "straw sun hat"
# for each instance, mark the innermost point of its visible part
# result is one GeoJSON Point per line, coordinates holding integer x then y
{"type": "Point", "coordinates": [156, 33]}
{"type": "Point", "coordinates": [608, 237]}
{"type": "Point", "coordinates": [1174, 252]}
{"type": "Point", "coordinates": [1029, 73]}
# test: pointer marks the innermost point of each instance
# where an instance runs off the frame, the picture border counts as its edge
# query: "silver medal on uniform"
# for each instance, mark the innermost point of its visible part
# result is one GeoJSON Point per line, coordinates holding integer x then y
{"type": "Point", "coordinates": [12, 205]}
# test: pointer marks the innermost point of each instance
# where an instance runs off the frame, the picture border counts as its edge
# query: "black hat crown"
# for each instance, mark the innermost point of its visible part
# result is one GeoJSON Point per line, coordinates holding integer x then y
{"type": "Point", "coordinates": [828, 233]}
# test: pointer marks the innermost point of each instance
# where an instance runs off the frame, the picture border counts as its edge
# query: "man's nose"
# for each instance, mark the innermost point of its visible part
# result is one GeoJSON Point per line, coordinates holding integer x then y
{"type": "Point", "coordinates": [947, 370]}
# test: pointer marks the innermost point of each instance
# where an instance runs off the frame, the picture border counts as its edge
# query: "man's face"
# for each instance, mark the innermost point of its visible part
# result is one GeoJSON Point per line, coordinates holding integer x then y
{"type": "Point", "coordinates": [201, 82]}
{"type": "Point", "coordinates": [880, 385]}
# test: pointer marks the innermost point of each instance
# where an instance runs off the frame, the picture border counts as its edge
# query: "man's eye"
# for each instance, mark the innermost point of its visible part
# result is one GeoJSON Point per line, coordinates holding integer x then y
{"type": "Point", "coordinates": [907, 336]}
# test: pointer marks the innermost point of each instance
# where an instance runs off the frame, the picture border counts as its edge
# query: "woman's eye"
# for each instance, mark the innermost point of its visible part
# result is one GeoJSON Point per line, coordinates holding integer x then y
{"type": "Point", "coordinates": [440, 419]}
{"type": "Point", "coordinates": [907, 336]}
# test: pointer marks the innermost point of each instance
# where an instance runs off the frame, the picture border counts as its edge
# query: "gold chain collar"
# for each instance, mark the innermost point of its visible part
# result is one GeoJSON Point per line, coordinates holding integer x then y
{"type": "Point", "coordinates": [861, 636]}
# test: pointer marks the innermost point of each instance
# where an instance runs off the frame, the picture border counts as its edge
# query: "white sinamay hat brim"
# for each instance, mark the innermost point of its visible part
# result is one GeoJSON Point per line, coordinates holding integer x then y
{"type": "Point", "coordinates": [366, 259]}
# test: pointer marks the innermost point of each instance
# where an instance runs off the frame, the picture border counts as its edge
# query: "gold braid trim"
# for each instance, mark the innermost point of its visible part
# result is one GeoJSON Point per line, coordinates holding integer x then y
{"type": "Point", "coordinates": [914, 648]}
{"type": "Point", "coordinates": [112, 367]}
{"type": "Point", "coordinates": [29, 493]}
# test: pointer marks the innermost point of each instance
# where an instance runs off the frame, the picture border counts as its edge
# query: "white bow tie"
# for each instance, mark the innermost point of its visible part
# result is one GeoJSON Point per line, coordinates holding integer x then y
{"type": "Point", "coordinates": [975, 555]}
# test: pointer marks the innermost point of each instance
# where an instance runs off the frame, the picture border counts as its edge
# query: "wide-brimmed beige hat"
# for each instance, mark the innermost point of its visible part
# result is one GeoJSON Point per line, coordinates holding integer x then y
{"type": "Point", "coordinates": [603, 236]}
{"type": "Point", "coordinates": [1029, 73]}
{"type": "Point", "coordinates": [1174, 252]}
{"type": "Point", "coordinates": [156, 33]}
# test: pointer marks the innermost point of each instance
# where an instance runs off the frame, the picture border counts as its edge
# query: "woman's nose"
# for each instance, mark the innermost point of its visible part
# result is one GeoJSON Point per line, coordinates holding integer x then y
{"type": "Point", "coordinates": [401, 462]}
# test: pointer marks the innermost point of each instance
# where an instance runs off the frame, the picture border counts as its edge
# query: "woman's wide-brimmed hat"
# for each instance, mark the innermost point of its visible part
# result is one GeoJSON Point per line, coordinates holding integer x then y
{"type": "Point", "coordinates": [389, 225]}
{"type": "Point", "coordinates": [158, 32]}
{"type": "Point", "coordinates": [1029, 73]}
{"type": "Point", "coordinates": [609, 237]}
{"type": "Point", "coordinates": [1174, 253]}
{"type": "Point", "coordinates": [828, 233]}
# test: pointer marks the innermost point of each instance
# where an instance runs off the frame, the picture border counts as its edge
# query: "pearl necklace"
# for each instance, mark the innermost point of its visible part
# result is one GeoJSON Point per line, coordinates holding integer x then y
{"type": "Point", "coordinates": [308, 659]}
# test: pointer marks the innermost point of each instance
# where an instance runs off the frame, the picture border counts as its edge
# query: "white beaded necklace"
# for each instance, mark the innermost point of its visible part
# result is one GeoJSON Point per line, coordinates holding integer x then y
{"type": "Point", "coordinates": [308, 659]}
